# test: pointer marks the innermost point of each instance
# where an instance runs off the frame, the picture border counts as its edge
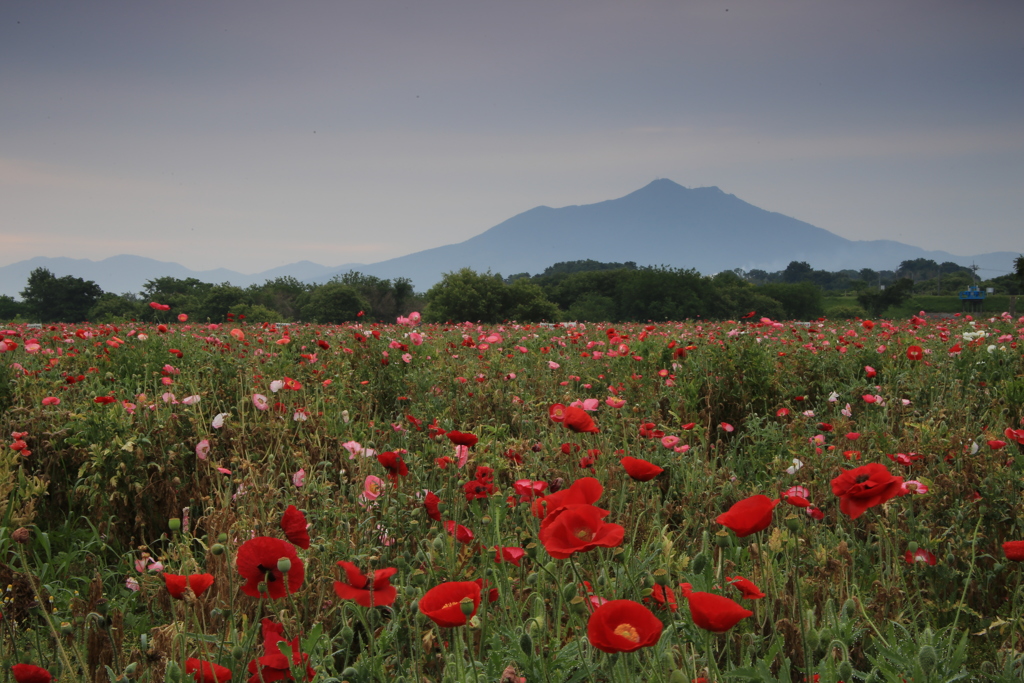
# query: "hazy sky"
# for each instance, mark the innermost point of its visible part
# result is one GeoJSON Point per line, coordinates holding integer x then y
{"type": "Point", "coordinates": [253, 134]}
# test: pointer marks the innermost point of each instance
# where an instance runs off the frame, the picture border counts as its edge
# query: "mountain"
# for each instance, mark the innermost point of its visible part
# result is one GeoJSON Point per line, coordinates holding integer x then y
{"type": "Point", "coordinates": [661, 224]}
{"type": "Point", "coordinates": [126, 273]}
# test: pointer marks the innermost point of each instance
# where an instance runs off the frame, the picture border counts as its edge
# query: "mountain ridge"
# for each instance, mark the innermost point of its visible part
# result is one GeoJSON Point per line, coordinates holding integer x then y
{"type": "Point", "coordinates": [661, 223]}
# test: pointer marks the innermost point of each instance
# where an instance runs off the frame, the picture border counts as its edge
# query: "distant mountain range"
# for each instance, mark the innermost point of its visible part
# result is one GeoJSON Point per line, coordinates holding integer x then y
{"type": "Point", "coordinates": [662, 223]}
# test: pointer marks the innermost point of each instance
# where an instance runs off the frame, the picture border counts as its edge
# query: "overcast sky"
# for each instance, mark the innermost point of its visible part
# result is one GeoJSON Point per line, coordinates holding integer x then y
{"type": "Point", "coordinates": [252, 134]}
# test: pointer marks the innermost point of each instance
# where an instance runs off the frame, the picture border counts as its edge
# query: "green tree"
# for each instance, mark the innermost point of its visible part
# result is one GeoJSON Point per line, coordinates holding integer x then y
{"type": "Point", "coordinates": [1018, 269]}
{"type": "Point", "coordinates": [217, 301]}
{"type": "Point", "coordinates": [333, 303]}
{"type": "Point", "coordinates": [282, 295]}
{"type": "Point", "coordinates": [10, 308]}
{"type": "Point", "coordinates": [49, 298]}
{"type": "Point", "coordinates": [525, 302]}
{"type": "Point", "coordinates": [115, 307]}
{"type": "Point", "coordinates": [467, 295]}
{"type": "Point", "coordinates": [800, 301]}
{"type": "Point", "coordinates": [876, 301]}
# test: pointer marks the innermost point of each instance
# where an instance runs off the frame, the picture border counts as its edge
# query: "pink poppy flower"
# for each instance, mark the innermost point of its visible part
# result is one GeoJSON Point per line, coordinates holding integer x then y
{"type": "Point", "coordinates": [727, 427]}
{"type": "Point", "coordinates": [615, 402]}
{"type": "Point", "coordinates": [260, 402]}
{"type": "Point", "coordinates": [299, 478]}
{"type": "Point", "coordinates": [372, 488]}
{"type": "Point", "coordinates": [51, 401]}
{"type": "Point", "coordinates": [669, 441]}
{"type": "Point", "coordinates": [203, 449]}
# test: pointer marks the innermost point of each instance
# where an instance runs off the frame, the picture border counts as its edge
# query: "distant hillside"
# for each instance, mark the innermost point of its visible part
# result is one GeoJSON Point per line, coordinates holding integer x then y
{"type": "Point", "coordinates": [661, 224]}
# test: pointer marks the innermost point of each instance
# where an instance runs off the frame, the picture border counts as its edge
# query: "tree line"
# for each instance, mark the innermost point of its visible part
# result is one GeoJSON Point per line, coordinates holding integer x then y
{"type": "Point", "coordinates": [569, 290]}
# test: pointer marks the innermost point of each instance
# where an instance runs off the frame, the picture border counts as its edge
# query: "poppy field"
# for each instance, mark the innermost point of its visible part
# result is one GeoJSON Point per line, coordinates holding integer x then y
{"type": "Point", "coordinates": [748, 500]}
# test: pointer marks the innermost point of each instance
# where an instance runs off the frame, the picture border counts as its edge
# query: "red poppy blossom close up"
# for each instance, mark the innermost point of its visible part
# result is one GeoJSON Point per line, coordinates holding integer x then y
{"type": "Point", "coordinates": [462, 534]}
{"type": "Point", "coordinates": [577, 420]}
{"type": "Point", "coordinates": [257, 562]}
{"type": "Point", "coordinates": [274, 665]}
{"type": "Point", "coordinates": [30, 673]}
{"type": "Point", "coordinates": [915, 352]}
{"type": "Point", "coordinates": [712, 612]}
{"type": "Point", "coordinates": [556, 412]}
{"type": "Point", "coordinates": [747, 587]}
{"type": "Point", "coordinates": [394, 464]}
{"type": "Point", "coordinates": [509, 554]}
{"type": "Point", "coordinates": [443, 603]}
{"type": "Point", "coordinates": [865, 487]}
{"type": "Point", "coordinates": [374, 590]}
{"type": "Point", "coordinates": [176, 584]}
{"type": "Point", "coordinates": [640, 469]}
{"type": "Point", "coordinates": [432, 504]}
{"type": "Point", "coordinates": [463, 438]}
{"type": "Point", "coordinates": [749, 515]}
{"type": "Point", "coordinates": [1014, 551]}
{"type": "Point", "coordinates": [293, 523]}
{"type": "Point", "coordinates": [586, 490]}
{"type": "Point", "coordinates": [207, 672]}
{"type": "Point", "coordinates": [623, 626]}
{"type": "Point", "coordinates": [578, 528]}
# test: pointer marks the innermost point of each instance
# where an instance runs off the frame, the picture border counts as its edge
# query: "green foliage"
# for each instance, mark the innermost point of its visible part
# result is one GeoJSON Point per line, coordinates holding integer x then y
{"type": "Point", "coordinates": [800, 301]}
{"type": "Point", "coordinates": [845, 313]}
{"type": "Point", "coordinates": [468, 295]}
{"type": "Point", "coordinates": [877, 301]}
{"type": "Point", "coordinates": [9, 308]}
{"type": "Point", "coordinates": [48, 298]}
{"type": "Point", "coordinates": [333, 302]}
{"type": "Point", "coordinates": [117, 307]}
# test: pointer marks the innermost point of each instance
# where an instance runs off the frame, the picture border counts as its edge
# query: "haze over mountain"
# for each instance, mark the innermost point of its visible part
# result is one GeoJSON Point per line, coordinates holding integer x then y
{"type": "Point", "coordinates": [662, 223]}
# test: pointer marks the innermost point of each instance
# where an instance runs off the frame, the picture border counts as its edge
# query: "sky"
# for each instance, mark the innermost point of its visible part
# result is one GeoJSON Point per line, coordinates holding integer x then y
{"type": "Point", "coordinates": [251, 134]}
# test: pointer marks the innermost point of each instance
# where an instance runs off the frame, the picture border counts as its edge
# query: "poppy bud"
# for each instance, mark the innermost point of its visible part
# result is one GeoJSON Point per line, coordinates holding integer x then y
{"type": "Point", "coordinates": [845, 670]}
{"type": "Point", "coordinates": [237, 653]}
{"type": "Point", "coordinates": [699, 563]}
{"type": "Point", "coordinates": [172, 672]}
{"type": "Point", "coordinates": [284, 564]}
{"type": "Point", "coordinates": [577, 605]}
{"type": "Point", "coordinates": [217, 549]}
{"type": "Point", "coordinates": [532, 578]}
{"type": "Point", "coordinates": [66, 628]}
{"type": "Point", "coordinates": [912, 547]}
{"type": "Point", "coordinates": [722, 539]}
{"type": "Point", "coordinates": [531, 551]}
{"type": "Point", "coordinates": [813, 638]}
{"type": "Point", "coordinates": [927, 658]}
{"type": "Point", "coordinates": [849, 607]}
{"type": "Point", "coordinates": [568, 592]}
{"type": "Point", "coordinates": [677, 676]}
{"type": "Point", "coordinates": [222, 538]}
{"type": "Point", "coordinates": [438, 543]}
{"type": "Point", "coordinates": [526, 644]}
{"type": "Point", "coordinates": [130, 669]}
{"type": "Point", "coordinates": [350, 674]}
{"type": "Point", "coordinates": [467, 606]}
{"type": "Point", "coordinates": [174, 524]}
{"type": "Point", "coordinates": [661, 576]}
{"type": "Point", "coordinates": [792, 523]}
{"type": "Point", "coordinates": [261, 587]}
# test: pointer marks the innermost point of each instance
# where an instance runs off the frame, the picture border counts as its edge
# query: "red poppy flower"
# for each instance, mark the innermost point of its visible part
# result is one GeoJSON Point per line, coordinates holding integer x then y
{"type": "Point", "coordinates": [176, 584]}
{"type": "Point", "coordinates": [745, 586]}
{"type": "Point", "coordinates": [578, 528]}
{"type": "Point", "coordinates": [663, 596]}
{"type": "Point", "coordinates": [578, 420]}
{"type": "Point", "coordinates": [749, 515]}
{"type": "Point", "coordinates": [373, 591]}
{"type": "Point", "coordinates": [507, 554]}
{"type": "Point", "coordinates": [443, 603]}
{"type": "Point", "coordinates": [1015, 435]}
{"type": "Point", "coordinates": [1014, 551]}
{"type": "Point", "coordinates": [257, 562]}
{"type": "Point", "coordinates": [648, 431]}
{"type": "Point", "coordinates": [274, 665]}
{"type": "Point", "coordinates": [432, 503]}
{"type": "Point", "coordinates": [462, 534]}
{"type": "Point", "coordinates": [476, 489]}
{"type": "Point", "coordinates": [915, 352]}
{"type": "Point", "coordinates": [293, 523]}
{"type": "Point", "coordinates": [30, 673]}
{"type": "Point", "coordinates": [394, 464]}
{"type": "Point", "coordinates": [996, 444]}
{"type": "Point", "coordinates": [865, 487]}
{"type": "Point", "coordinates": [919, 555]}
{"type": "Point", "coordinates": [586, 490]}
{"type": "Point", "coordinates": [463, 438]}
{"type": "Point", "coordinates": [556, 412]}
{"type": "Point", "coordinates": [207, 672]}
{"type": "Point", "coordinates": [640, 469]}
{"type": "Point", "coordinates": [712, 612]}
{"type": "Point", "coordinates": [623, 626]}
